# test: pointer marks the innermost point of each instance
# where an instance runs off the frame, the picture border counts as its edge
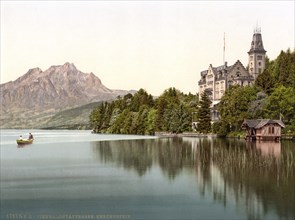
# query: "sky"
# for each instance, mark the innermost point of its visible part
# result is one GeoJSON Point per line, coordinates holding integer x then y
{"type": "Point", "coordinates": [152, 45]}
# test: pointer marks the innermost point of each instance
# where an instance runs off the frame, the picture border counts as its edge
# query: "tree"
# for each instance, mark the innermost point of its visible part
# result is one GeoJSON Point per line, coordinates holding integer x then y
{"type": "Point", "coordinates": [283, 69]}
{"type": "Point", "coordinates": [150, 122]}
{"type": "Point", "coordinates": [203, 115]}
{"type": "Point", "coordinates": [265, 81]}
{"type": "Point", "coordinates": [159, 121]}
{"type": "Point", "coordinates": [256, 106]}
{"type": "Point", "coordinates": [99, 117]}
{"type": "Point", "coordinates": [177, 118]}
{"type": "Point", "coordinates": [234, 106]}
{"type": "Point", "coordinates": [95, 119]}
{"type": "Point", "coordinates": [141, 98]}
{"type": "Point", "coordinates": [281, 104]}
{"type": "Point", "coordinates": [140, 114]}
{"type": "Point", "coordinates": [221, 128]}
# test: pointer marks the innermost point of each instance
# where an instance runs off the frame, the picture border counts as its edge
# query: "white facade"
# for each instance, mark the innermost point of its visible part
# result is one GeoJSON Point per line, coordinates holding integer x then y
{"type": "Point", "coordinates": [215, 80]}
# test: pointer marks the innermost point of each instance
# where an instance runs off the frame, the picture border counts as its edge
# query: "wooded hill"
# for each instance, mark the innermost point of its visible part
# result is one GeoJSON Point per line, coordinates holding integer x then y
{"type": "Point", "coordinates": [142, 114]}
{"type": "Point", "coordinates": [272, 96]}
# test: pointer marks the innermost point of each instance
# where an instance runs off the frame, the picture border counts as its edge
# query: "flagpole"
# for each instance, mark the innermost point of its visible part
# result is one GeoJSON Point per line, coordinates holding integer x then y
{"type": "Point", "coordinates": [224, 48]}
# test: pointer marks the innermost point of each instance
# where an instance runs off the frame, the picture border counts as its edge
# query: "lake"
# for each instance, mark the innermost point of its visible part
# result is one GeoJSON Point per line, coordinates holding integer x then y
{"type": "Point", "coordinates": [79, 175]}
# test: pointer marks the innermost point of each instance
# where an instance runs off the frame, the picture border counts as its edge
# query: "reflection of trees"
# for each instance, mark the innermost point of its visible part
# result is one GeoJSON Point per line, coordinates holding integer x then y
{"type": "Point", "coordinates": [135, 154]}
{"type": "Point", "coordinates": [256, 181]}
{"type": "Point", "coordinates": [173, 155]}
{"type": "Point", "coordinates": [232, 171]}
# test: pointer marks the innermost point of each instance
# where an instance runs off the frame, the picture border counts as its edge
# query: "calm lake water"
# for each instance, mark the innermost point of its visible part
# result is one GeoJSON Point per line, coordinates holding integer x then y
{"type": "Point", "coordinates": [79, 175]}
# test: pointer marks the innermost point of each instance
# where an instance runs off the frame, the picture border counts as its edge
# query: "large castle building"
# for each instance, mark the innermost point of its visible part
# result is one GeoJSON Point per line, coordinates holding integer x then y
{"type": "Point", "coordinates": [215, 80]}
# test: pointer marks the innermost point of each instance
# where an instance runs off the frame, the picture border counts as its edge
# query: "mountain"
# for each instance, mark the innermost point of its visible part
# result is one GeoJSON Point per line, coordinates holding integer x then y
{"type": "Point", "coordinates": [74, 118]}
{"type": "Point", "coordinates": [35, 97]}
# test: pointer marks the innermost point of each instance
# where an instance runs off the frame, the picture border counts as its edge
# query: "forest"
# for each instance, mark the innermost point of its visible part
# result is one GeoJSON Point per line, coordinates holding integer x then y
{"type": "Point", "coordinates": [272, 97]}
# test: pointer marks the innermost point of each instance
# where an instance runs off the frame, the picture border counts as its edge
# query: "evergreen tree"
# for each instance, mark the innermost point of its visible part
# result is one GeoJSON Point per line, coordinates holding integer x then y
{"type": "Point", "coordinates": [284, 68]}
{"type": "Point", "coordinates": [203, 115]}
{"type": "Point", "coordinates": [161, 107]}
{"type": "Point", "coordinates": [151, 122]}
{"type": "Point", "coordinates": [265, 81]}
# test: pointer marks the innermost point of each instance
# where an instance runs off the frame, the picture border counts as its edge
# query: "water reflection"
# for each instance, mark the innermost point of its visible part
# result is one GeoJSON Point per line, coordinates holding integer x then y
{"type": "Point", "coordinates": [254, 180]}
{"type": "Point", "coordinates": [266, 148]}
{"type": "Point", "coordinates": [258, 178]}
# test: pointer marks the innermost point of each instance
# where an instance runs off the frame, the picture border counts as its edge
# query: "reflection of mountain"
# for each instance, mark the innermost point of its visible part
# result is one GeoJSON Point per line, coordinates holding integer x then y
{"type": "Point", "coordinates": [230, 171]}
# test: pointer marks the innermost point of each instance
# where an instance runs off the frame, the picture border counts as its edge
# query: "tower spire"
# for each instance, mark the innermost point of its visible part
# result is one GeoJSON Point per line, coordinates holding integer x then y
{"type": "Point", "coordinates": [257, 29]}
{"type": "Point", "coordinates": [256, 54]}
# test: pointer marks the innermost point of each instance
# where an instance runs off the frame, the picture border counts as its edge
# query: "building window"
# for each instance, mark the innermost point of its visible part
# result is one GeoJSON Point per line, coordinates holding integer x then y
{"type": "Point", "coordinates": [259, 70]}
{"type": "Point", "coordinates": [259, 57]}
{"type": "Point", "coordinates": [271, 130]}
{"type": "Point", "coordinates": [259, 63]}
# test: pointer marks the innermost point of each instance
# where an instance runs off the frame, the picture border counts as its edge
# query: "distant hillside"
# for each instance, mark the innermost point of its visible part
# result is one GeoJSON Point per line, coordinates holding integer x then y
{"type": "Point", "coordinates": [32, 99]}
{"type": "Point", "coordinates": [75, 118]}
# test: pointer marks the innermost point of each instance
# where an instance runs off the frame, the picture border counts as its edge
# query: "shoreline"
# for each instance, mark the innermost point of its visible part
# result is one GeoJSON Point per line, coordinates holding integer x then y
{"type": "Point", "coordinates": [185, 134]}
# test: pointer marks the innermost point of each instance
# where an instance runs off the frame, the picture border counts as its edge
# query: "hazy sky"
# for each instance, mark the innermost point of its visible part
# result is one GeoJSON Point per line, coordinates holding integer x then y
{"type": "Point", "coordinates": [139, 44]}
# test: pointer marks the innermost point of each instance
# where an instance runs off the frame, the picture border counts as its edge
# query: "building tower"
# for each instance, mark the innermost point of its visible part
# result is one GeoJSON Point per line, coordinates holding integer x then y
{"type": "Point", "coordinates": [256, 54]}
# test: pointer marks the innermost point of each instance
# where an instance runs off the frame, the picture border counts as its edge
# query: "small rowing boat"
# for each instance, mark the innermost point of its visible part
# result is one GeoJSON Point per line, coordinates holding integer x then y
{"type": "Point", "coordinates": [24, 141]}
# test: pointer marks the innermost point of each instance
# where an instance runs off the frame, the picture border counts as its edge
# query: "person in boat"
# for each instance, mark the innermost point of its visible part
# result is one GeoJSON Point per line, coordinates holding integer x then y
{"type": "Point", "coordinates": [30, 136]}
{"type": "Point", "coordinates": [20, 137]}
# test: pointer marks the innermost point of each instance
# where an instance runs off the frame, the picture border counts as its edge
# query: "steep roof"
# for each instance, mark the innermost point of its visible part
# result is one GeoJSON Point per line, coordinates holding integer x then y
{"type": "Point", "coordinates": [257, 44]}
{"type": "Point", "coordinates": [259, 123]}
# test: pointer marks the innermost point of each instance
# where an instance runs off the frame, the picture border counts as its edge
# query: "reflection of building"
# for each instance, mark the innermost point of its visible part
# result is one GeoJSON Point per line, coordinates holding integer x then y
{"type": "Point", "coordinates": [263, 129]}
{"type": "Point", "coordinates": [215, 80]}
{"type": "Point", "coordinates": [269, 148]}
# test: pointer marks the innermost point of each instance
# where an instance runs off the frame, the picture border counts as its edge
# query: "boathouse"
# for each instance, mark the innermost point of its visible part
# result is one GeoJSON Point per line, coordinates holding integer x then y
{"type": "Point", "coordinates": [263, 129]}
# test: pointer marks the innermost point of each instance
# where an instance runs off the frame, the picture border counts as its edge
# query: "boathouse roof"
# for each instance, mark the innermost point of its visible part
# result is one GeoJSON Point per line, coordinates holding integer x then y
{"type": "Point", "coordinates": [259, 123]}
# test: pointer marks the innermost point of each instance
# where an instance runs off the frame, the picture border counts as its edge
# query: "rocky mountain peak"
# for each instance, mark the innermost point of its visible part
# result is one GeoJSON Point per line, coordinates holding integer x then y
{"type": "Point", "coordinates": [34, 97]}
{"type": "Point", "coordinates": [59, 86]}
{"type": "Point", "coordinates": [30, 75]}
